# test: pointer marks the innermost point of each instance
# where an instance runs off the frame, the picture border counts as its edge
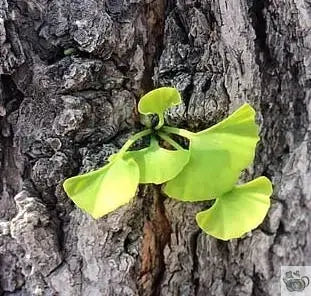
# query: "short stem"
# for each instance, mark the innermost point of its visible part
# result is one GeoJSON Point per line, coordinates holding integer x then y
{"type": "Point", "coordinates": [161, 121]}
{"type": "Point", "coordinates": [133, 139]}
{"type": "Point", "coordinates": [178, 131]}
{"type": "Point", "coordinates": [170, 141]}
{"type": "Point", "coordinates": [153, 141]}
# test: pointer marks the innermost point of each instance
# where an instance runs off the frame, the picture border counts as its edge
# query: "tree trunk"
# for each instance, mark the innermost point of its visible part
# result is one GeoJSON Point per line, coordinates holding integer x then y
{"type": "Point", "coordinates": [71, 75]}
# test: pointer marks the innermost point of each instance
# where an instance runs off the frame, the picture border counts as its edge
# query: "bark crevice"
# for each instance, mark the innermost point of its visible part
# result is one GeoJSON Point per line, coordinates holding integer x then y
{"type": "Point", "coordinates": [64, 112]}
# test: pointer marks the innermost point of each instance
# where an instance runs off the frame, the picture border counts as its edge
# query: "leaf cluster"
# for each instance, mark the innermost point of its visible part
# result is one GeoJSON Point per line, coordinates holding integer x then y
{"type": "Point", "coordinates": [208, 169]}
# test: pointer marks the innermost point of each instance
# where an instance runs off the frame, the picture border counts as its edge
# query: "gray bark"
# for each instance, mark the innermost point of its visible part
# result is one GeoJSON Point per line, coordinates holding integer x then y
{"type": "Point", "coordinates": [71, 75]}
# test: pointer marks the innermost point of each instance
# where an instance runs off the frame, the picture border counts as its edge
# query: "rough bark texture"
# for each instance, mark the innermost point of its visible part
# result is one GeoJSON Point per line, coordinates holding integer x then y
{"type": "Point", "coordinates": [71, 74]}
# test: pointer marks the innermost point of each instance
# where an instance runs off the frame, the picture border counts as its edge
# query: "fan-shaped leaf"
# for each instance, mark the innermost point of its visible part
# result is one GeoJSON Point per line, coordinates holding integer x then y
{"type": "Point", "coordinates": [158, 100]}
{"type": "Point", "coordinates": [158, 165]}
{"type": "Point", "coordinates": [218, 155]}
{"type": "Point", "coordinates": [237, 211]}
{"type": "Point", "coordinates": [104, 190]}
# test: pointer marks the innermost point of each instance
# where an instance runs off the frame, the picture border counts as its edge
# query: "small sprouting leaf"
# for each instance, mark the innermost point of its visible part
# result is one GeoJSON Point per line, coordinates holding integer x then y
{"type": "Point", "coordinates": [237, 211]}
{"type": "Point", "coordinates": [104, 190]}
{"type": "Point", "coordinates": [158, 165]}
{"type": "Point", "coordinates": [218, 155]}
{"type": "Point", "coordinates": [157, 101]}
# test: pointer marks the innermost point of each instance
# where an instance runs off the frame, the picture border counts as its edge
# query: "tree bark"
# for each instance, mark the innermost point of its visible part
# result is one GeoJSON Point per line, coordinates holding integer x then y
{"type": "Point", "coordinates": [71, 75]}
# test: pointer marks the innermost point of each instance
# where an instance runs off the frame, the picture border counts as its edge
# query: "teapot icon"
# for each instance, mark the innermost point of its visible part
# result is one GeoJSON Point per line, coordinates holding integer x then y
{"type": "Point", "coordinates": [296, 283]}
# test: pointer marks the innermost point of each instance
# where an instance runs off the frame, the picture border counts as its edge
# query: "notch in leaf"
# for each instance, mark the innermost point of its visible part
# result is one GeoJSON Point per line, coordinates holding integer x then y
{"type": "Point", "coordinates": [157, 101]}
{"type": "Point", "coordinates": [158, 165]}
{"type": "Point", "coordinates": [218, 155]}
{"type": "Point", "coordinates": [106, 189]}
{"type": "Point", "coordinates": [237, 211]}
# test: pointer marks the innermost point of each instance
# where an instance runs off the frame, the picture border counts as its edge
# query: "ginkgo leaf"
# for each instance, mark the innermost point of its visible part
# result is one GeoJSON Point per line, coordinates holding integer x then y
{"type": "Point", "coordinates": [158, 165]}
{"type": "Point", "coordinates": [104, 190]}
{"type": "Point", "coordinates": [157, 101]}
{"type": "Point", "coordinates": [238, 211]}
{"type": "Point", "coordinates": [218, 155]}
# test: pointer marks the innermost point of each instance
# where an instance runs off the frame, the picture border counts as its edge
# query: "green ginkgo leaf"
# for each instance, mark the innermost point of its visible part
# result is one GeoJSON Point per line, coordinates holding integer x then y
{"type": "Point", "coordinates": [157, 101]}
{"type": "Point", "coordinates": [218, 155]}
{"type": "Point", "coordinates": [158, 165]}
{"type": "Point", "coordinates": [104, 190]}
{"type": "Point", "coordinates": [238, 211]}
